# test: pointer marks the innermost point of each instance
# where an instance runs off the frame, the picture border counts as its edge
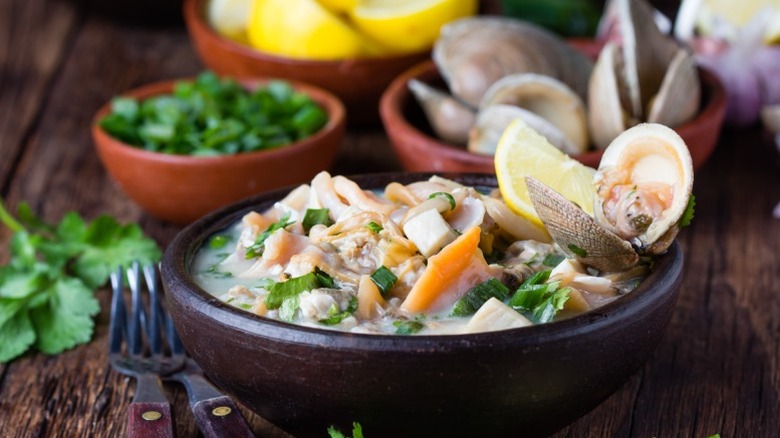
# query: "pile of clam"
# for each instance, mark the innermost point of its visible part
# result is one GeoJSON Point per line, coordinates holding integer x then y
{"type": "Point", "coordinates": [499, 69]}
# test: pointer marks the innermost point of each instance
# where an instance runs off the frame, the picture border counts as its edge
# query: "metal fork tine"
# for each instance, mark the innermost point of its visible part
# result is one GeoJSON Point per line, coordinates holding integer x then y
{"type": "Point", "coordinates": [118, 318]}
{"type": "Point", "coordinates": [138, 315]}
{"type": "Point", "coordinates": [173, 337]}
{"type": "Point", "coordinates": [154, 334]}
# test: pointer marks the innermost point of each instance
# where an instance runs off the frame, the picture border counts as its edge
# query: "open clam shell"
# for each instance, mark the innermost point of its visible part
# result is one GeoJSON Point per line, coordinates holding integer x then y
{"type": "Point", "coordinates": [548, 98]}
{"type": "Point", "coordinates": [472, 53]}
{"type": "Point", "coordinates": [643, 186]}
{"type": "Point", "coordinates": [606, 116]}
{"type": "Point", "coordinates": [579, 234]}
{"type": "Point", "coordinates": [680, 95]}
{"type": "Point", "coordinates": [493, 120]}
{"type": "Point", "coordinates": [450, 118]}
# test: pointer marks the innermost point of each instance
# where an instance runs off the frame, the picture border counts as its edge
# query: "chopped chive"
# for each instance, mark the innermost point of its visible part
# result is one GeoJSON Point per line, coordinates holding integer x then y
{"type": "Point", "coordinates": [384, 279]}
{"type": "Point", "coordinates": [408, 327]}
{"type": "Point", "coordinates": [478, 295]}
{"type": "Point", "coordinates": [316, 216]}
{"type": "Point", "coordinates": [374, 227]}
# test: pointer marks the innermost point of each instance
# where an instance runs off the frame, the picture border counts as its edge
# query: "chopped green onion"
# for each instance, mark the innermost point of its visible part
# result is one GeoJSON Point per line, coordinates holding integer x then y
{"type": "Point", "coordinates": [408, 327]}
{"type": "Point", "coordinates": [446, 196]}
{"type": "Point", "coordinates": [316, 216]}
{"type": "Point", "coordinates": [384, 279]}
{"type": "Point", "coordinates": [478, 295]}
{"type": "Point", "coordinates": [374, 227]}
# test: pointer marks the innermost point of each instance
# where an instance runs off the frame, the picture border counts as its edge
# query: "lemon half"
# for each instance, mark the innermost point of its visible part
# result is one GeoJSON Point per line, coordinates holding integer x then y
{"type": "Point", "coordinates": [304, 29]}
{"type": "Point", "coordinates": [521, 152]}
{"type": "Point", "coordinates": [405, 26]}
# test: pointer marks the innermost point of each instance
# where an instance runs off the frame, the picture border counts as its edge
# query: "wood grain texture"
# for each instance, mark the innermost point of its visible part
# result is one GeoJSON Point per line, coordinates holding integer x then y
{"type": "Point", "coordinates": [716, 371]}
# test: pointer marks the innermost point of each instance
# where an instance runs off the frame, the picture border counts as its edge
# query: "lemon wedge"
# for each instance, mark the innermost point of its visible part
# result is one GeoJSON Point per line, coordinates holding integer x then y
{"type": "Point", "coordinates": [304, 29]}
{"type": "Point", "coordinates": [406, 26]}
{"type": "Point", "coordinates": [228, 17]}
{"type": "Point", "coordinates": [521, 152]}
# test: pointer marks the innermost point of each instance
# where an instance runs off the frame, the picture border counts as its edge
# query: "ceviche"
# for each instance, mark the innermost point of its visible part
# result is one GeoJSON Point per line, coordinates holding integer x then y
{"type": "Point", "coordinates": [430, 257]}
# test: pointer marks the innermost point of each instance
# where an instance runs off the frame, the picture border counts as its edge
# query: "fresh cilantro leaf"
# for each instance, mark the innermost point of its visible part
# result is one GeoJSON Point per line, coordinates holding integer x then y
{"type": "Point", "coordinates": [554, 302]}
{"type": "Point", "coordinates": [336, 316]}
{"type": "Point", "coordinates": [408, 327]}
{"type": "Point", "coordinates": [66, 320]}
{"type": "Point", "coordinates": [324, 279]}
{"type": "Point", "coordinates": [279, 292]}
{"type": "Point", "coordinates": [46, 290]}
{"type": "Point", "coordinates": [17, 335]}
{"type": "Point", "coordinates": [687, 215]}
{"type": "Point", "coordinates": [288, 308]}
{"type": "Point", "coordinates": [335, 433]}
{"type": "Point", "coordinates": [357, 431]}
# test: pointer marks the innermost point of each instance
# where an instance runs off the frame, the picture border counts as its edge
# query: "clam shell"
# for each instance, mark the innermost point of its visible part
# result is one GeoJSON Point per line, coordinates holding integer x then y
{"type": "Point", "coordinates": [679, 98]}
{"type": "Point", "coordinates": [647, 53]}
{"type": "Point", "coordinates": [548, 98]}
{"type": "Point", "coordinates": [577, 233]}
{"type": "Point", "coordinates": [472, 53]}
{"type": "Point", "coordinates": [606, 117]}
{"type": "Point", "coordinates": [493, 120]}
{"type": "Point", "coordinates": [646, 155]}
{"type": "Point", "coordinates": [450, 118]}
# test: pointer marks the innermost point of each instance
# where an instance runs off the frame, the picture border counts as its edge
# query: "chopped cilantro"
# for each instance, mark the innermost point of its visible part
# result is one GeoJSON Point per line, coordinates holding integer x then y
{"type": "Point", "coordinates": [687, 215]}
{"type": "Point", "coordinates": [219, 241]}
{"type": "Point", "coordinates": [446, 196]}
{"type": "Point", "coordinates": [384, 279]}
{"type": "Point", "coordinates": [336, 316]}
{"type": "Point", "coordinates": [258, 246]}
{"type": "Point", "coordinates": [47, 288]}
{"type": "Point", "coordinates": [553, 260]}
{"type": "Point", "coordinates": [279, 292]}
{"type": "Point", "coordinates": [245, 306]}
{"type": "Point", "coordinates": [539, 299]}
{"type": "Point", "coordinates": [324, 279]}
{"type": "Point", "coordinates": [408, 327]}
{"type": "Point", "coordinates": [316, 216]}
{"type": "Point", "coordinates": [374, 227]}
{"type": "Point", "coordinates": [478, 295]}
{"type": "Point", "coordinates": [357, 431]}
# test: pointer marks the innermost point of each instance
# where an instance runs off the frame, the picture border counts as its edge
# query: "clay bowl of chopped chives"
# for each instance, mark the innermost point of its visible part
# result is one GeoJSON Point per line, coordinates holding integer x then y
{"type": "Point", "coordinates": [180, 149]}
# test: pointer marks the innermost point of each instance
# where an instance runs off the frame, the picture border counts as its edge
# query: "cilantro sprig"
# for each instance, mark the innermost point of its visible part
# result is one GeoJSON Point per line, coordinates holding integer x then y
{"type": "Point", "coordinates": [47, 288]}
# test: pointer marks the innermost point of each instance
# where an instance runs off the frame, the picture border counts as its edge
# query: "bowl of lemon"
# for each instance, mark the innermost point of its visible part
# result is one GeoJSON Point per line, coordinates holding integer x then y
{"type": "Point", "coordinates": [353, 48]}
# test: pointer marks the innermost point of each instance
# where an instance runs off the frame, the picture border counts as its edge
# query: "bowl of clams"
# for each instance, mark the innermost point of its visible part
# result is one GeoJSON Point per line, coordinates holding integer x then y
{"type": "Point", "coordinates": [448, 113]}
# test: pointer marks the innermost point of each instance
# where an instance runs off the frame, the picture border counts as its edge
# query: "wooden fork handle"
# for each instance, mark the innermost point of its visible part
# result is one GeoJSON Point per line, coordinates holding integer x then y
{"type": "Point", "coordinates": [220, 417]}
{"type": "Point", "coordinates": [149, 419]}
{"type": "Point", "coordinates": [149, 415]}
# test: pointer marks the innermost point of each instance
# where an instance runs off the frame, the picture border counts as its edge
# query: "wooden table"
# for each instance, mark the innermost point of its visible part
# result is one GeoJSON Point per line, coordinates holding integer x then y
{"type": "Point", "coordinates": [716, 371]}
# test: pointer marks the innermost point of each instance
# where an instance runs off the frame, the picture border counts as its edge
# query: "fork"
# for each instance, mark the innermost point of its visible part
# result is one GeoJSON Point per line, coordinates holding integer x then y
{"type": "Point", "coordinates": [215, 413]}
{"type": "Point", "coordinates": [149, 414]}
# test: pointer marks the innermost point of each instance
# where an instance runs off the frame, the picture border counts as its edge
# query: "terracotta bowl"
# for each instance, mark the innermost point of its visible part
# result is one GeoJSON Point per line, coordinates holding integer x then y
{"type": "Point", "coordinates": [181, 188]}
{"type": "Point", "coordinates": [529, 381]}
{"type": "Point", "coordinates": [418, 149]}
{"type": "Point", "coordinates": [358, 82]}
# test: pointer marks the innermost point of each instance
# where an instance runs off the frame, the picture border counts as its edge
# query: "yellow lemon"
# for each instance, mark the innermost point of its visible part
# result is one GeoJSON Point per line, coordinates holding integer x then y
{"type": "Point", "coordinates": [228, 17]}
{"type": "Point", "coordinates": [339, 6]}
{"type": "Point", "coordinates": [303, 29]}
{"type": "Point", "coordinates": [405, 26]}
{"type": "Point", "coordinates": [737, 12]}
{"type": "Point", "coordinates": [521, 152]}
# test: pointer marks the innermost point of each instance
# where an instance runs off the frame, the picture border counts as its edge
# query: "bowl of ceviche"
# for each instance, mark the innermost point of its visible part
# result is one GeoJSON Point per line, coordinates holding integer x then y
{"type": "Point", "coordinates": [182, 148]}
{"type": "Point", "coordinates": [412, 303]}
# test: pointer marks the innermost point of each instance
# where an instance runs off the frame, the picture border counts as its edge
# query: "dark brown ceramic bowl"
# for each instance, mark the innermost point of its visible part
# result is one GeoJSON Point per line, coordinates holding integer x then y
{"type": "Point", "coordinates": [181, 188]}
{"type": "Point", "coordinates": [358, 82]}
{"type": "Point", "coordinates": [529, 381]}
{"type": "Point", "coordinates": [418, 149]}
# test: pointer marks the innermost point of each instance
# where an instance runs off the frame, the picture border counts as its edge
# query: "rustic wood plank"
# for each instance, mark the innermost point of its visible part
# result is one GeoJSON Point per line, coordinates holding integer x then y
{"type": "Point", "coordinates": [30, 56]}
